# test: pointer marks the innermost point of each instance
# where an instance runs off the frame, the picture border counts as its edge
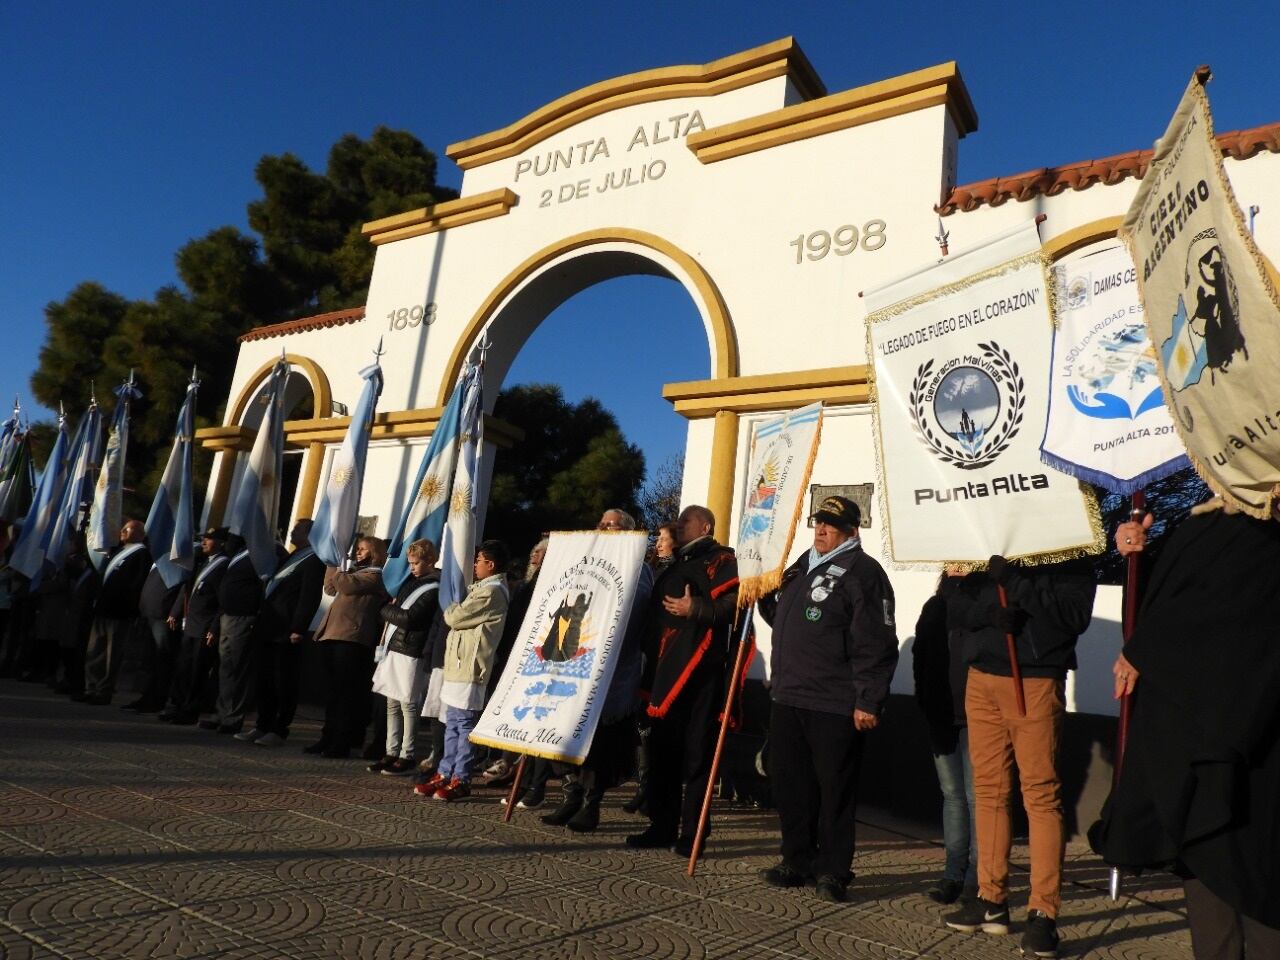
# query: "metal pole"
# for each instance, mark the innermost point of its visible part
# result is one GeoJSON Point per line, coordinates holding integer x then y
{"type": "Point", "coordinates": [1129, 621]}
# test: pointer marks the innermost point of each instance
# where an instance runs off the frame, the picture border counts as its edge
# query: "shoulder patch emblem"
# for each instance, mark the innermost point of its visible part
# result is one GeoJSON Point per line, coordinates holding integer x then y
{"type": "Point", "coordinates": [812, 614]}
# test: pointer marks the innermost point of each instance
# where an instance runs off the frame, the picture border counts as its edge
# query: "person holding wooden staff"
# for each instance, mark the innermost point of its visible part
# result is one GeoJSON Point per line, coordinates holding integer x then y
{"type": "Point", "coordinates": [833, 656]}
{"type": "Point", "coordinates": [1044, 609]}
{"type": "Point", "coordinates": [693, 604]}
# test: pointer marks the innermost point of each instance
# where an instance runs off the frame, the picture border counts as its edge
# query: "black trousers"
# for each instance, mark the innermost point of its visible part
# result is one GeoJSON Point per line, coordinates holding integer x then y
{"type": "Point", "coordinates": [683, 744]}
{"type": "Point", "coordinates": [1220, 932]}
{"type": "Point", "coordinates": [157, 654]}
{"type": "Point", "coordinates": [191, 669]}
{"type": "Point", "coordinates": [279, 673]}
{"type": "Point", "coordinates": [814, 760]}
{"type": "Point", "coordinates": [348, 670]}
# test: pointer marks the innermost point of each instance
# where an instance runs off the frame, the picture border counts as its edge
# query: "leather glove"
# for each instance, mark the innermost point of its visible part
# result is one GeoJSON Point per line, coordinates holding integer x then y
{"type": "Point", "coordinates": [997, 568]}
{"type": "Point", "coordinates": [1011, 619]}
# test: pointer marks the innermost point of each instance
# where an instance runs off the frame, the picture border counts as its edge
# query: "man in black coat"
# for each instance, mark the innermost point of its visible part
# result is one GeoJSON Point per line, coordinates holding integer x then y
{"type": "Point", "coordinates": [1199, 789]}
{"type": "Point", "coordinates": [240, 594]}
{"type": "Point", "coordinates": [157, 642]}
{"type": "Point", "coordinates": [195, 612]}
{"type": "Point", "coordinates": [291, 599]}
{"type": "Point", "coordinates": [115, 614]}
{"type": "Point", "coordinates": [692, 608]}
{"type": "Point", "coordinates": [833, 656]}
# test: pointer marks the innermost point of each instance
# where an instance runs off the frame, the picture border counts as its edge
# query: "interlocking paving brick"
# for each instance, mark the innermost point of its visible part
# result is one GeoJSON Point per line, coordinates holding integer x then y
{"type": "Point", "coordinates": [123, 838]}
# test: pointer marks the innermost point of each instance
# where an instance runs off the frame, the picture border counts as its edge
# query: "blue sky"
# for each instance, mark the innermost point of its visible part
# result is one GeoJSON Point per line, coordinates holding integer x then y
{"type": "Point", "coordinates": [131, 127]}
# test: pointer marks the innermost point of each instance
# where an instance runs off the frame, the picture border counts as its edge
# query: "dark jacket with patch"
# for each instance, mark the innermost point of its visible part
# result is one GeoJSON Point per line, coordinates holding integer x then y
{"type": "Point", "coordinates": [201, 607]}
{"type": "Point", "coordinates": [1056, 601]}
{"type": "Point", "coordinates": [157, 599]}
{"type": "Point", "coordinates": [290, 602]}
{"type": "Point", "coordinates": [676, 646]}
{"type": "Point", "coordinates": [240, 590]}
{"type": "Point", "coordinates": [834, 643]}
{"type": "Point", "coordinates": [412, 624]}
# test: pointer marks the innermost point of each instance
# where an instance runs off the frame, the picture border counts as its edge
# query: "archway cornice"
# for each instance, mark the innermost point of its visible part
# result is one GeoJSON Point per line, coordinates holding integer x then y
{"type": "Point", "coordinates": [725, 340]}
{"type": "Point", "coordinates": [321, 394]}
{"type": "Point", "coordinates": [779, 58]}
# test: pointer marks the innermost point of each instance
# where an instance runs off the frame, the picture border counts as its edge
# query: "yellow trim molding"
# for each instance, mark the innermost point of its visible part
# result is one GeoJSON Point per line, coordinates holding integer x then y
{"type": "Point", "coordinates": [441, 216]}
{"type": "Point", "coordinates": [1081, 236]}
{"type": "Point", "coordinates": [396, 424]}
{"type": "Point", "coordinates": [724, 451]}
{"type": "Point", "coordinates": [321, 394]}
{"type": "Point", "coordinates": [876, 101]}
{"type": "Point", "coordinates": [696, 399]}
{"type": "Point", "coordinates": [726, 339]}
{"type": "Point", "coordinates": [779, 58]}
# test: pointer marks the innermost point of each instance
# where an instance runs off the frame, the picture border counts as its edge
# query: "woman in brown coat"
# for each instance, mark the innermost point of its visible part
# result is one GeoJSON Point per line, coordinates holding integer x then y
{"type": "Point", "coordinates": [347, 636]}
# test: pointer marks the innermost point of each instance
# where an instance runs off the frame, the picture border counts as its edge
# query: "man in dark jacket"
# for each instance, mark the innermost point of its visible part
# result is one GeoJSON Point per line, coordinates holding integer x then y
{"type": "Point", "coordinates": [239, 600]}
{"type": "Point", "coordinates": [290, 601]}
{"type": "Point", "coordinates": [833, 657]}
{"type": "Point", "coordinates": [195, 613]}
{"type": "Point", "coordinates": [1045, 609]}
{"type": "Point", "coordinates": [115, 614]}
{"type": "Point", "coordinates": [157, 642]}
{"type": "Point", "coordinates": [693, 605]}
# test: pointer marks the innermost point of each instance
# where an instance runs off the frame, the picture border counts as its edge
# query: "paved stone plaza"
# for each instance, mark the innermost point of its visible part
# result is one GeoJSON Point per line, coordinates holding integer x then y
{"type": "Point", "coordinates": [122, 837]}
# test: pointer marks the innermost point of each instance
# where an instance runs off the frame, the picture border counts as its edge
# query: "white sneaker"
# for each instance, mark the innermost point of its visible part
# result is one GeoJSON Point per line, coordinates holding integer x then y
{"type": "Point", "coordinates": [248, 736]}
{"type": "Point", "coordinates": [269, 740]}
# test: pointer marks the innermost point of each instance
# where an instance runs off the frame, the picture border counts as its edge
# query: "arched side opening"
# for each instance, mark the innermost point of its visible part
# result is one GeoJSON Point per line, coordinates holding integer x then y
{"type": "Point", "coordinates": [550, 277]}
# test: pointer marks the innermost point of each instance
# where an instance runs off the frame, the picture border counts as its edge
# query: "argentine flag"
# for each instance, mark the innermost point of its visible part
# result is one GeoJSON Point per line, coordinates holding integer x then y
{"type": "Point", "coordinates": [1184, 354]}
{"type": "Point", "coordinates": [256, 503]}
{"type": "Point", "coordinates": [459, 541]}
{"type": "Point", "coordinates": [28, 553]}
{"type": "Point", "coordinates": [171, 524]}
{"type": "Point", "coordinates": [427, 508]}
{"type": "Point", "coordinates": [335, 523]}
{"type": "Point", "coordinates": [86, 450]}
{"type": "Point", "coordinates": [107, 512]}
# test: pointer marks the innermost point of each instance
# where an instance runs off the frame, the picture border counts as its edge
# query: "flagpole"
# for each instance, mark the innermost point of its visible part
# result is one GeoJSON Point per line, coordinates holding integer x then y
{"type": "Point", "coordinates": [747, 618]}
{"type": "Point", "coordinates": [515, 787]}
{"type": "Point", "coordinates": [1129, 622]}
{"type": "Point", "coordinates": [1012, 647]}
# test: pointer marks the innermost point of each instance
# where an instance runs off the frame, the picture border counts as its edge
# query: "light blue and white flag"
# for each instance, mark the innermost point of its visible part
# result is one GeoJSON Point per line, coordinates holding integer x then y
{"type": "Point", "coordinates": [427, 509]}
{"type": "Point", "coordinates": [458, 543]}
{"type": "Point", "coordinates": [9, 436]}
{"type": "Point", "coordinates": [339, 512]}
{"type": "Point", "coordinates": [16, 481]}
{"type": "Point", "coordinates": [256, 503]}
{"type": "Point", "coordinates": [1185, 353]}
{"type": "Point", "coordinates": [28, 552]}
{"type": "Point", "coordinates": [107, 512]}
{"type": "Point", "coordinates": [84, 453]}
{"type": "Point", "coordinates": [171, 524]}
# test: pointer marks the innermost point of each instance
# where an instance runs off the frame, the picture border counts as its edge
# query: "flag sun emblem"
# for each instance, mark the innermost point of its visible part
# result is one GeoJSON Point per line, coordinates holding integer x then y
{"type": "Point", "coordinates": [431, 488]}
{"type": "Point", "coordinates": [460, 502]}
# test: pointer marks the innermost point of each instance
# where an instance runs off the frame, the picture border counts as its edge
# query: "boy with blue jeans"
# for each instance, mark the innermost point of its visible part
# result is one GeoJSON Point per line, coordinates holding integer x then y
{"type": "Point", "coordinates": [475, 627]}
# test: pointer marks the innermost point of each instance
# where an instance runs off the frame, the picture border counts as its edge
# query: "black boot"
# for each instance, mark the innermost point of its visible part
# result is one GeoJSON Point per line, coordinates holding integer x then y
{"type": "Point", "coordinates": [588, 816]}
{"type": "Point", "coordinates": [639, 800]}
{"type": "Point", "coordinates": [571, 804]}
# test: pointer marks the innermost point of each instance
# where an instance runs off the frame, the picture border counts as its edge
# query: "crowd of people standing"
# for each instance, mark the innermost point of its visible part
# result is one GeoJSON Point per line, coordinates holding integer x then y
{"type": "Point", "coordinates": [227, 645]}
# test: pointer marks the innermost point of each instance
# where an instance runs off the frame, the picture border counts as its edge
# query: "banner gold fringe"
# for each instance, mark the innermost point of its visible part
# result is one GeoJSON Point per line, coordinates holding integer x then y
{"type": "Point", "coordinates": [753, 588]}
{"type": "Point", "coordinates": [531, 751]}
{"type": "Point", "coordinates": [1264, 511]}
{"type": "Point", "coordinates": [1095, 546]}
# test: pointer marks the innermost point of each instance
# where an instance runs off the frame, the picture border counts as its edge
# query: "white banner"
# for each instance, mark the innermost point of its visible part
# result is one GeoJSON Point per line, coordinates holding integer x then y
{"type": "Point", "coordinates": [782, 455]}
{"type": "Point", "coordinates": [1107, 420]}
{"type": "Point", "coordinates": [962, 388]}
{"type": "Point", "coordinates": [550, 695]}
{"type": "Point", "coordinates": [1211, 310]}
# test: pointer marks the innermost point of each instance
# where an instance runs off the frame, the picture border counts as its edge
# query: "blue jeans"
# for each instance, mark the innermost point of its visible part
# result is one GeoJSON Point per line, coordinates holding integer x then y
{"type": "Point", "coordinates": [458, 725]}
{"type": "Point", "coordinates": [959, 834]}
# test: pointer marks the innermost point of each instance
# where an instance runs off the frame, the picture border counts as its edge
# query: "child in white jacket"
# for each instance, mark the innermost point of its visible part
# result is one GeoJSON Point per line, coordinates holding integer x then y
{"type": "Point", "coordinates": [475, 627]}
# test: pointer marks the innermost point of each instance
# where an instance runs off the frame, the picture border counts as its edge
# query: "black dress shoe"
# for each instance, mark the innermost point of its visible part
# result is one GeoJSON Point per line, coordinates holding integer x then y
{"type": "Point", "coordinates": [135, 705]}
{"type": "Point", "coordinates": [317, 748]}
{"type": "Point", "coordinates": [684, 847]}
{"type": "Point", "coordinates": [831, 889]}
{"type": "Point", "coordinates": [587, 818]}
{"type": "Point", "coordinates": [783, 876]}
{"type": "Point", "coordinates": [562, 814]}
{"type": "Point", "coordinates": [945, 891]}
{"type": "Point", "coordinates": [638, 800]}
{"type": "Point", "coordinates": [651, 839]}
{"type": "Point", "coordinates": [209, 724]}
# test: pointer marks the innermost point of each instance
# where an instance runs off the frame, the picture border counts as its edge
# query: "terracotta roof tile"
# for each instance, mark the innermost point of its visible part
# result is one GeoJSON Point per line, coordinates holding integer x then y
{"type": "Point", "coordinates": [1051, 181]}
{"type": "Point", "coordinates": [334, 319]}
